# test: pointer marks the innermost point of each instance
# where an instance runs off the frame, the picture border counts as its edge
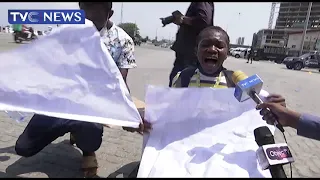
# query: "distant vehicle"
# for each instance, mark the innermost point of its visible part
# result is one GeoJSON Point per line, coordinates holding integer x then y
{"type": "Point", "coordinates": [230, 51]}
{"type": "Point", "coordinates": [164, 45]}
{"type": "Point", "coordinates": [39, 33]}
{"type": "Point", "coordinates": [239, 52]}
{"type": "Point", "coordinates": [137, 42]}
{"type": "Point", "coordinates": [157, 43]}
{"type": "Point", "coordinates": [309, 60]}
{"type": "Point", "coordinates": [20, 36]}
{"type": "Point", "coordinates": [276, 54]}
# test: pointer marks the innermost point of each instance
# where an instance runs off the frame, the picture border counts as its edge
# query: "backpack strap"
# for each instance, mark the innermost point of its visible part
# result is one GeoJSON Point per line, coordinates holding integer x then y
{"type": "Point", "coordinates": [184, 77]}
{"type": "Point", "coordinates": [228, 75]}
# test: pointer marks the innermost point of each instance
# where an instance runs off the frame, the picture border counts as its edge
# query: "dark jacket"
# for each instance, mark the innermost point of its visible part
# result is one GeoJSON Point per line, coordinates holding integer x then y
{"type": "Point", "coordinates": [203, 12]}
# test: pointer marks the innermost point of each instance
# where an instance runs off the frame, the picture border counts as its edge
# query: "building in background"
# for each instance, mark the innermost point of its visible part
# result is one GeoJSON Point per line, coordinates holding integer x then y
{"type": "Point", "coordinates": [311, 41]}
{"type": "Point", "coordinates": [270, 37]}
{"type": "Point", "coordinates": [254, 39]}
{"type": "Point", "coordinates": [270, 44]}
{"type": "Point", "coordinates": [292, 15]}
{"type": "Point", "coordinates": [240, 41]}
{"type": "Point", "coordinates": [286, 37]}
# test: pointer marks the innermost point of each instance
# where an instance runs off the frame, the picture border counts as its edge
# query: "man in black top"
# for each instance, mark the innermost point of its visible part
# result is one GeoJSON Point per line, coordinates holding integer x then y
{"type": "Point", "coordinates": [199, 16]}
{"type": "Point", "coordinates": [250, 55]}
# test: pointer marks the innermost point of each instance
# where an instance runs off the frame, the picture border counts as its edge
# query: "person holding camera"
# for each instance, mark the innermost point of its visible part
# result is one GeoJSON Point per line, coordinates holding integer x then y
{"type": "Point", "coordinates": [198, 16]}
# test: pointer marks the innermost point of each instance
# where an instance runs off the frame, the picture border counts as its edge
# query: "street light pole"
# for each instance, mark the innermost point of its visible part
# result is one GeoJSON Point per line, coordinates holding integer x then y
{"type": "Point", "coordinates": [231, 20]}
{"type": "Point", "coordinates": [306, 23]}
{"type": "Point", "coordinates": [121, 18]}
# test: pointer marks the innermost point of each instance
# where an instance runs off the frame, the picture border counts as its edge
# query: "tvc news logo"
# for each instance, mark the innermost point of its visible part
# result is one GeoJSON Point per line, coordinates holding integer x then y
{"type": "Point", "coordinates": [46, 16]}
{"type": "Point", "coordinates": [278, 153]}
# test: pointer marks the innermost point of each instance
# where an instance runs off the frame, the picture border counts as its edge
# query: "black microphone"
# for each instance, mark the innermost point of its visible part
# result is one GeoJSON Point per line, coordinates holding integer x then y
{"type": "Point", "coordinates": [270, 155]}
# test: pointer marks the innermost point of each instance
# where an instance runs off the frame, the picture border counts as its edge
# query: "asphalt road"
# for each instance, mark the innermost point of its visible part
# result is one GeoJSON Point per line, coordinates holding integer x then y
{"type": "Point", "coordinates": [121, 149]}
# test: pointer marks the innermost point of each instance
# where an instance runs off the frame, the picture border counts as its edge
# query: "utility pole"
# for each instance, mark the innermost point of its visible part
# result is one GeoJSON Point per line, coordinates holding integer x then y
{"type": "Point", "coordinates": [135, 28]}
{"type": "Point", "coordinates": [306, 23]}
{"type": "Point", "coordinates": [121, 18]}
{"type": "Point", "coordinates": [232, 20]}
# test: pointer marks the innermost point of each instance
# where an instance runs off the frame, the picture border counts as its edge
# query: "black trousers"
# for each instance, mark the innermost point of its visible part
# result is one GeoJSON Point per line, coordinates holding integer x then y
{"type": "Point", "coordinates": [181, 62]}
{"type": "Point", "coordinates": [250, 58]}
{"type": "Point", "coordinates": [42, 130]}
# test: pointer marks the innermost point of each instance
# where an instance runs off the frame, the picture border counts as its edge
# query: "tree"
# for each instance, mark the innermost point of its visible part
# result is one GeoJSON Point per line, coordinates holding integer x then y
{"type": "Point", "coordinates": [147, 38]}
{"type": "Point", "coordinates": [131, 29]}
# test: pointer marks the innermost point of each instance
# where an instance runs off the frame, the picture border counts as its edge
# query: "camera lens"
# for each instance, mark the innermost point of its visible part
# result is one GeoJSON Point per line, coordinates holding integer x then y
{"type": "Point", "coordinates": [167, 20]}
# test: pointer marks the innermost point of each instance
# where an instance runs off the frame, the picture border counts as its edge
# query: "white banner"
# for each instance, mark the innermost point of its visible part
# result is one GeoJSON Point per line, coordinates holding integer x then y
{"type": "Point", "coordinates": [67, 74]}
{"type": "Point", "coordinates": [200, 132]}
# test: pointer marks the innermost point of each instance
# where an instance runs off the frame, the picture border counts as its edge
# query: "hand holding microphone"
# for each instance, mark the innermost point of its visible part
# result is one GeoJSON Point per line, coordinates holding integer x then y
{"type": "Point", "coordinates": [286, 117]}
{"type": "Point", "coordinates": [250, 87]}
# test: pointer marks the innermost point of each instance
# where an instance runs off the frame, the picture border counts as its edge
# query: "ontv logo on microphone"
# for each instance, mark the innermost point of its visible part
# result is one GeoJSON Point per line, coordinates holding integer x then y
{"type": "Point", "coordinates": [278, 153]}
{"type": "Point", "coordinates": [46, 16]}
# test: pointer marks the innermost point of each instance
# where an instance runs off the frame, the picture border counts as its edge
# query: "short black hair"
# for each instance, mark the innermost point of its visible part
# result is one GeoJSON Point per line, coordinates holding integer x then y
{"type": "Point", "coordinates": [107, 5]}
{"type": "Point", "coordinates": [213, 28]}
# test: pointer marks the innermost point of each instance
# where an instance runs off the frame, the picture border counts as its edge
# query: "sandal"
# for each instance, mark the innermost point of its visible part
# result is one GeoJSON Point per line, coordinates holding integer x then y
{"type": "Point", "coordinates": [89, 166]}
{"type": "Point", "coordinates": [89, 163]}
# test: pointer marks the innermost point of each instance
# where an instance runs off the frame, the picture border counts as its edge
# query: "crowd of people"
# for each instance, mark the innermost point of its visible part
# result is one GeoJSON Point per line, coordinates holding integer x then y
{"type": "Point", "coordinates": [201, 49]}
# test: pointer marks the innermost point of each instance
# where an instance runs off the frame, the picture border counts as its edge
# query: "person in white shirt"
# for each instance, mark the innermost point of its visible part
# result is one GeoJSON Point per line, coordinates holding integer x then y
{"type": "Point", "coordinates": [42, 130]}
{"type": "Point", "coordinates": [118, 42]}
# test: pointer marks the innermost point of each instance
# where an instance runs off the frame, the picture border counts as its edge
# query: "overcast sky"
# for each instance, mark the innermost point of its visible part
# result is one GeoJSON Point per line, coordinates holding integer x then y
{"type": "Point", "coordinates": [252, 18]}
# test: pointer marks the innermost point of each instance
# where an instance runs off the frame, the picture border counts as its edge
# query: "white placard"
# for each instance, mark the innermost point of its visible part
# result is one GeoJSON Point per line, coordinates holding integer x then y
{"type": "Point", "coordinates": [200, 132]}
{"type": "Point", "coordinates": [68, 74]}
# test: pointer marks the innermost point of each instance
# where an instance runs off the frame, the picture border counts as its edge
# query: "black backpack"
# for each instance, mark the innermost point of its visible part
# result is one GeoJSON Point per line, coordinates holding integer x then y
{"type": "Point", "coordinates": [186, 75]}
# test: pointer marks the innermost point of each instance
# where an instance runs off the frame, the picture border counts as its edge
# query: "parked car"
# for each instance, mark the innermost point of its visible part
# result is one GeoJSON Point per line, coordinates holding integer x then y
{"type": "Point", "coordinates": [239, 53]}
{"type": "Point", "coordinates": [157, 43]}
{"type": "Point", "coordinates": [163, 45]}
{"type": "Point", "coordinates": [309, 60]}
{"type": "Point", "coordinates": [230, 51]}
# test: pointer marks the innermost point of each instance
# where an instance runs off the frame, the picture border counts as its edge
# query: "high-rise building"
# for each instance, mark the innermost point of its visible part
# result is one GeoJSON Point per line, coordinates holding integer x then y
{"type": "Point", "coordinates": [242, 41]}
{"type": "Point", "coordinates": [238, 40]}
{"type": "Point", "coordinates": [292, 15]}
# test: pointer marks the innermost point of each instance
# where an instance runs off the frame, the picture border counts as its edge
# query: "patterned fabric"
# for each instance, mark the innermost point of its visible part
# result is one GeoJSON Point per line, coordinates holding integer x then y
{"type": "Point", "coordinates": [120, 46]}
{"type": "Point", "coordinates": [205, 81]}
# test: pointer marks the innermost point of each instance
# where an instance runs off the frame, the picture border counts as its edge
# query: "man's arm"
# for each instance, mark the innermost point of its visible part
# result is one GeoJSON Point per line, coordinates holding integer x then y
{"type": "Point", "coordinates": [204, 16]}
{"type": "Point", "coordinates": [127, 60]}
{"type": "Point", "coordinates": [124, 73]}
{"type": "Point", "coordinates": [309, 126]}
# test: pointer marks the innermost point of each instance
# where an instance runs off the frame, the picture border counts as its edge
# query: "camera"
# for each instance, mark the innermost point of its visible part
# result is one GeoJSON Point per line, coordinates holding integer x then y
{"type": "Point", "coordinates": [168, 20]}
